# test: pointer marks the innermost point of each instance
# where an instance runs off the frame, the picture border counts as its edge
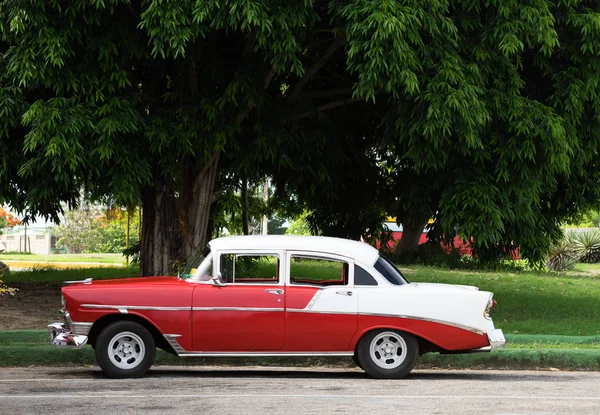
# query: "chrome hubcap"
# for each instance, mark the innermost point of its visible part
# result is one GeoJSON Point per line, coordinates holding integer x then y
{"type": "Point", "coordinates": [126, 350]}
{"type": "Point", "coordinates": [388, 350]}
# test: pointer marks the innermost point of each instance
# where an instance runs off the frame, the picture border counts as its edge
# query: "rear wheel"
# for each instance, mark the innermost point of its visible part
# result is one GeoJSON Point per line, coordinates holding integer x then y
{"type": "Point", "coordinates": [125, 349]}
{"type": "Point", "coordinates": [387, 354]}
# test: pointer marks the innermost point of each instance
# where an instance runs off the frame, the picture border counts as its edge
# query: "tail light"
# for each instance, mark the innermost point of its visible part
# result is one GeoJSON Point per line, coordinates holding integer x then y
{"type": "Point", "coordinates": [491, 303]}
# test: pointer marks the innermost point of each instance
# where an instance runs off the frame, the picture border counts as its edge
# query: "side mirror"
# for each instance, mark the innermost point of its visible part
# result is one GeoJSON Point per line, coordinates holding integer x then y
{"type": "Point", "coordinates": [216, 281]}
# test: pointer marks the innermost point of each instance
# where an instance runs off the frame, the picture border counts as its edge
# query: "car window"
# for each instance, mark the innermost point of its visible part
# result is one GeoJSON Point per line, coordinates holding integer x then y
{"type": "Point", "coordinates": [363, 277]}
{"type": "Point", "coordinates": [318, 271]}
{"type": "Point", "coordinates": [389, 271]}
{"type": "Point", "coordinates": [203, 258]}
{"type": "Point", "coordinates": [249, 269]}
{"type": "Point", "coordinates": [204, 272]}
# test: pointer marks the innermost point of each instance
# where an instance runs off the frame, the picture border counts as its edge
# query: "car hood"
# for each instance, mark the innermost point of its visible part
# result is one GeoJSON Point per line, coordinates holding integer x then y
{"type": "Point", "coordinates": [443, 287]}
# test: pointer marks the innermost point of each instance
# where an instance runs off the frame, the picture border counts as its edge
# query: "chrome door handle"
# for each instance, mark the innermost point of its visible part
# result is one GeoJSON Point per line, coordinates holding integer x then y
{"type": "Point", "coordinates": [348, 293]}
{"type": "Point", "coordinates": [276, 292]}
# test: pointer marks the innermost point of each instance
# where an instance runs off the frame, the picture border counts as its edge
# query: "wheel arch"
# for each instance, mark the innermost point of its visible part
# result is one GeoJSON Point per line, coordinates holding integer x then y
{"type": "Point", "coordinates": [108, 319]}
{"type": "Point", "coordinates": [425, 344]}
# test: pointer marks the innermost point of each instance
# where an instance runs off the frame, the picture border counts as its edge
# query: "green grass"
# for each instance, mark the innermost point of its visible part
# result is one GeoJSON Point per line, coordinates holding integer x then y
{"type": "Point", "coordinates": [531, 302]}
{"type": "Point", "coordinates": [99, 258]}
{"type": "Point", "coordinates": [30, 347]}
{"type": "Point", "coordinates": [580, 267]}
{"type": "Point", "coordinates": [49, 275]}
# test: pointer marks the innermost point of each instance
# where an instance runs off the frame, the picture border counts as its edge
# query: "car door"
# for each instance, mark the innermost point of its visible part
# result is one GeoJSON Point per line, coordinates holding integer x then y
{"type": "Point", "coordinates": [321, 303]}
{"type": "Point", "coordinates": [245, 310]}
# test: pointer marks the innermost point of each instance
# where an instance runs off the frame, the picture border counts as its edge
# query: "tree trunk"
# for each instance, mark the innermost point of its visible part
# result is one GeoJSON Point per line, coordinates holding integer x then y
{"type": "Point", "coordinates": [245, 220]}
{"type": "Point", "coordinates": [411, 234]}
{"type": "Point", "coordinates": [175, 224]}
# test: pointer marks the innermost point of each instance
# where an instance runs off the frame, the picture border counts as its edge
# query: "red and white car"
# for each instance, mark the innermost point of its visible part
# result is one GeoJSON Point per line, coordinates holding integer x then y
{"type": "Point", "coordinates": [277, 296]}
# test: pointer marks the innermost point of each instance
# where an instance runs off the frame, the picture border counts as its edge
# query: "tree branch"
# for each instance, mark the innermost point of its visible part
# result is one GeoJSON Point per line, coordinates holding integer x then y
{"type": "Point", "coordinates": [310, 72]}
{"type": "Point", "coordinates": [325, 107]}
{"type": "Point", "coordinates": [327, 93]}
{"type": "Point", "coordinates": [266, 82]}
{"type": "Point", "coordinates": [328, 106]}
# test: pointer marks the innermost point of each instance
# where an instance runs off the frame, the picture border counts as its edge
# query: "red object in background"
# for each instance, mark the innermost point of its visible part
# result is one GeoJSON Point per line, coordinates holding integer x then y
{"type": "Point", "coordinates": [460, 244]}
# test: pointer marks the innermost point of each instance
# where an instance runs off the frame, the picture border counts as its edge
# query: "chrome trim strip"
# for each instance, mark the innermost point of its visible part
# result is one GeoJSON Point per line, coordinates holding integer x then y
{"type": "Point", "coordinates": [304, 310]}
{"type": "Point", "coordinates": [135, 307]}
{"type": "Point", "coordinates": [172, 339]}
{"type": "Point", "coordinates": [431, 320]}
{"type": "Point", "coordinates": [264, 354]}
{"type": "Point", "coordinates": [314, 299]}
{"type": "Point", "coordinates": [86, 281]}
{"type": "Point", "coordinates": [236, 309]}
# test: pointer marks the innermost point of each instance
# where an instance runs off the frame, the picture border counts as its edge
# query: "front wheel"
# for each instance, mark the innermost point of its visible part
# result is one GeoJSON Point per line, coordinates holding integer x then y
{"type": "Point", "coordinates": [125, 349]}
{"type": "Point", "coordinates": [387, 354]}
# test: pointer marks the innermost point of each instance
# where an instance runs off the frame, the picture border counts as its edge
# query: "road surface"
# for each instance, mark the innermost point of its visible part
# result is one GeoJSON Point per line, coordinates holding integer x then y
{"type": "Point", "coordinates": [241, 391]}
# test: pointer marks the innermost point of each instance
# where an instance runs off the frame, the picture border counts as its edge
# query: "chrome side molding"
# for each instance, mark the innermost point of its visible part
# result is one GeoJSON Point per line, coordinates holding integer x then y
{"type": "Point", "coordinates": [86, 281]}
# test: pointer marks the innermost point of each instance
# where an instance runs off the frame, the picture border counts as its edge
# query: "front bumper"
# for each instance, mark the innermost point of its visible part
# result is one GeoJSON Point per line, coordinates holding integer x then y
{"type": "Point", "coordinates": [60, 335]}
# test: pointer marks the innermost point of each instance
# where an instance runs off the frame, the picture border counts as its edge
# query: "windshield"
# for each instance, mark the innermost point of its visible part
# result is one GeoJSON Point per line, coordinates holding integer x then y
{"type": "Point", "coordinates": [199, 266]}
{"type": "Point", "coordinates": [389, 271]}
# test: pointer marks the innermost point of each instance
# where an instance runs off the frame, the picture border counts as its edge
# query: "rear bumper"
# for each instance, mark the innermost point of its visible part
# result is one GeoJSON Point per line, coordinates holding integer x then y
{"type": "Point", "coordinates": [495, 338]}
{"type": "Point", "coordinates": [60, 335]}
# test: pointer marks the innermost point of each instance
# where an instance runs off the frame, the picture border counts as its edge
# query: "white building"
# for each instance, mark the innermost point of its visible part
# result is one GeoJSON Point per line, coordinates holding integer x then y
{"type": "Point", "coordinates": [34, 239]}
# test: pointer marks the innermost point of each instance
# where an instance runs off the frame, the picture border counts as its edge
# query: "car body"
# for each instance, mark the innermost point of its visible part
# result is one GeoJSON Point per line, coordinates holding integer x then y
{"type": "Point", "coordinates": [277, 296]}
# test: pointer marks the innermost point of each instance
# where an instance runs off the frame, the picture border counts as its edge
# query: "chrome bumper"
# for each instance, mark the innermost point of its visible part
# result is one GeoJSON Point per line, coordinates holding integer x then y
{"type": "Point", "coordinates": [496, 338]}
{"type": "Point", "coordinates": [60, 335]}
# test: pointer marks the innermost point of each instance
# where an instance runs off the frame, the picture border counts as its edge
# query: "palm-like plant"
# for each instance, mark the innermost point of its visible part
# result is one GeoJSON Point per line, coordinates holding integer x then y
{"type": "Point", "coordinates": [587, 246]}
{"type": "Point", "coordinates": [562, 255]}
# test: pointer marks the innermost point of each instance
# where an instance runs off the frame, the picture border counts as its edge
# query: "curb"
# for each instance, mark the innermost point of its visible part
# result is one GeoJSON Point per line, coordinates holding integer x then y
{"type": "Point", "coordinates": [564, 359]}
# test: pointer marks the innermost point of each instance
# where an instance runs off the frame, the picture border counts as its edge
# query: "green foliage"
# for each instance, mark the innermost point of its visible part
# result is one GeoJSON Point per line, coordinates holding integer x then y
{"type": "Point", "coordinates": [89, 230]}
{"type": "Point", "coordinates": [484, 115]}
{"type": "Point", "coordinates": [299, 225]}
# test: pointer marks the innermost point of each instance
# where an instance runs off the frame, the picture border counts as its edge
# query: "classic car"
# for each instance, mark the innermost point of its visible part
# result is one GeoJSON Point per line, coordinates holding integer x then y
{"type": "Point", "coordinates": [276, 296]}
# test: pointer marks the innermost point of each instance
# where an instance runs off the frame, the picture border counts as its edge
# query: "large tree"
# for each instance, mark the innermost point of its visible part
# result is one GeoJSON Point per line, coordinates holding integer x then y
{"type": "Point", "coordinates": [483, 114]}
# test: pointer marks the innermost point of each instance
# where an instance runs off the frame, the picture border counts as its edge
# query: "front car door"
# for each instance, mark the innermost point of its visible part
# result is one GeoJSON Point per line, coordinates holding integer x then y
{"type": "Point", "coordinates": [321, 302]}
{"type": "Point", "coordinates": [246, 313]}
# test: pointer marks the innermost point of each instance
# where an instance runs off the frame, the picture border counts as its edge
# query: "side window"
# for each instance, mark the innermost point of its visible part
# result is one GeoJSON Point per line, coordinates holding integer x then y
{"type": "Point", "coordinates": [318, 271]}
{"type": "Point", "coordinates": [249, 269]}
{"type": "Point", "coordinates": [362, 277]}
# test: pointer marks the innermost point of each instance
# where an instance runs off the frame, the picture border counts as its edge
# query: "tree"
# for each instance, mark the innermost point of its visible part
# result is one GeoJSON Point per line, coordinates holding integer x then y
{"type": "Point", "coordinates": [489, 109]}
{"type": "Point", "coordinates": [7, 220]}
{"type": "Point", "coordinates": [91, 229]}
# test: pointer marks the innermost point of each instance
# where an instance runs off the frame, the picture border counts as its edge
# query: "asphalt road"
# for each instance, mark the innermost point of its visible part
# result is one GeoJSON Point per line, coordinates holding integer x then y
{"type": "Point", "coordinates": [241, 391]}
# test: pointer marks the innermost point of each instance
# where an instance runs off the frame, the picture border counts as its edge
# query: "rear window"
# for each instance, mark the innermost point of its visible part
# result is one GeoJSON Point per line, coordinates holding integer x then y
{"type": "Point", "coordinates": [389, 271]}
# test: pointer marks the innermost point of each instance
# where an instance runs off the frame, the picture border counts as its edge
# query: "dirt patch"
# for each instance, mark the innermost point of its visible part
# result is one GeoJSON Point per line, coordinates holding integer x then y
{"type": "Point", "coordinates": [32, 308]}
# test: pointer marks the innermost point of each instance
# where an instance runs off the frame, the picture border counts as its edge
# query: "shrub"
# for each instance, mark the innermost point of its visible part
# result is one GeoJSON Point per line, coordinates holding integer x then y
{"type": "Point", "coordinates": [3, 288]}
{"type": "Point", "coordinates": [562, 255]}
{"type": "Point", "coordinates": [587, 246]}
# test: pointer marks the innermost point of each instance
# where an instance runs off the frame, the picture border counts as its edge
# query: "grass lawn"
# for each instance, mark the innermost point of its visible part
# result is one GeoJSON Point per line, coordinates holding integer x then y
{"type": "Point", "coordinates": [99, 258]}
{"type": "Point", "coordinates": [531, 302]}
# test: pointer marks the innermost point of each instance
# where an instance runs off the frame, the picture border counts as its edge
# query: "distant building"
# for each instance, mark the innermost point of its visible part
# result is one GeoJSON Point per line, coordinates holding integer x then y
{"type": "Point", "coordinates": [35, 240]}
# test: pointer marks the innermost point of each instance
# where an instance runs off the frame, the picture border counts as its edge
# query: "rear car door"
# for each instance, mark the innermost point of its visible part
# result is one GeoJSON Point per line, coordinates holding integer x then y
{"type": "Point", "coordinates": [321, 302]}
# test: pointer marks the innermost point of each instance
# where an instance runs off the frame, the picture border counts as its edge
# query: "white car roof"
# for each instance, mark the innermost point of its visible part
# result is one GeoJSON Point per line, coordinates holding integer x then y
{"type": "Point", "coordinates": [359, 251]}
